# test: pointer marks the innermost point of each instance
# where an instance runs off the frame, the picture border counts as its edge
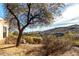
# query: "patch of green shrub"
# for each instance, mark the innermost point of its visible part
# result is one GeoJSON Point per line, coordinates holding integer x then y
{"type": "Point", "coordinates": [32, 39]}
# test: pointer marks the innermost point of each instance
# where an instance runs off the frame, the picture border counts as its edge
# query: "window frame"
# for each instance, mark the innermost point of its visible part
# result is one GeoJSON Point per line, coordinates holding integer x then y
{"type": "Point", "coordinates": [4, 31]}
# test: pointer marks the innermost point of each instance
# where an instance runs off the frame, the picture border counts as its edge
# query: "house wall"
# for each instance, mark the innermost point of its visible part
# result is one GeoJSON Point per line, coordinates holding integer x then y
{"type": "Point", "coordinates": [1, 32]}
{"type": "Point", "coordinates": [7, 28]}
{"type": "Point", "coordinates": [3, 23]}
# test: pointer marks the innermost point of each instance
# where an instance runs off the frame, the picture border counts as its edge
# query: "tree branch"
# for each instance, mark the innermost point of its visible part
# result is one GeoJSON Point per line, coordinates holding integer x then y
{"type": "Point", "coordinates": [18, 22]}
{"type": "Point", "coordinates": [28, 17]}
{"type": "Point", "coordinates": [30, 21]}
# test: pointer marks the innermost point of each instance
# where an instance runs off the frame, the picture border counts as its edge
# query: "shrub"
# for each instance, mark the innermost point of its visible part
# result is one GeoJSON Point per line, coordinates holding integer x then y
{"type": "Point", "coordinates": [11, 40]}
{"type": "Point", "coordinates": [55, 46]}
{"type": "Point", "coordinates": [32, 40]}
{"type": "Point", "coordinates": [25, 39]}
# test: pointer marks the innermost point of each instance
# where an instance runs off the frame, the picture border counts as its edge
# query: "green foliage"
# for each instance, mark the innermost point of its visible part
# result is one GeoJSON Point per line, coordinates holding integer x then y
{"type": "Point", "coordinates": [32, 39]}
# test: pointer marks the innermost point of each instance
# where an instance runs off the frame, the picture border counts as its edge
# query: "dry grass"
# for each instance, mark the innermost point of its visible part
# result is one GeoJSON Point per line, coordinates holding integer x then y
{"type": "Point", "coordinates": [22, 50]}
{"type": "Point", "coordinates": [56, 46]}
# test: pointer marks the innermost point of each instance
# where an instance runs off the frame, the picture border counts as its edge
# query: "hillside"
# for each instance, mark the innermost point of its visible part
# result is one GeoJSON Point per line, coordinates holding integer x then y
{"type": "Point", "coordinates": [73, 28]}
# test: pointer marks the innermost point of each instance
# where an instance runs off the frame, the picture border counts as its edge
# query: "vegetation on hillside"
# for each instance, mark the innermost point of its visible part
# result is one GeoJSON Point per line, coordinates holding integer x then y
{"type": "Point", "coordinates": [51, 45]}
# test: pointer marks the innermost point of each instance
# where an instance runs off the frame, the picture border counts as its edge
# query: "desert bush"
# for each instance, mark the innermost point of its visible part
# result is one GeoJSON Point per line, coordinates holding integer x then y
{"type": "Point", "coordinates": [55, 46]}
{"type": "Point", "coordinates": [15, 33]}
{"type": "Point", "coordinates": [74, 37]}
{"type": "Point", "coordinates": [11, 39]}
{"type": "Point", "coordinates": [25, 39]}
{"type": "Point", "coordinates": [32, 40]}
{"type": "Point", "coordinates": [28, 39]}
{"type": "Point", "coordinates": [37, 40]}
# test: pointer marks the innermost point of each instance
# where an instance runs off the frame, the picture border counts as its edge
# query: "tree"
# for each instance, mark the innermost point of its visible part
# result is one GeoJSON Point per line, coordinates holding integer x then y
{"type": "Point", "coordinates": [28, 14]}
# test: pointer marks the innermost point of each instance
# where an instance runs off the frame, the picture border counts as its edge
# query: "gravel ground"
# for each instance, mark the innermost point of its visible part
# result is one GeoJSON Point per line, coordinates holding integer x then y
{"type": "Point", "coordinates": [74, 51]}
{"type": "Point", "coordinates": [31, 50]}
{"type": "Point", "coordinates": [11, 50]}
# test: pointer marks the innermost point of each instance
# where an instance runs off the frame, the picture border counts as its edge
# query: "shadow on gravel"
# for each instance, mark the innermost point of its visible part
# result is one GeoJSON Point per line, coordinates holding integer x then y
{"type": "Point", "coordinates": [8, 47]}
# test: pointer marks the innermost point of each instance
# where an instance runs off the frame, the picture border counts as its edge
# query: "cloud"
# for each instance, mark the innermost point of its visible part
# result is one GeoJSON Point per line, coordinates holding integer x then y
{"type": "Point", "coordinates": [69, 15]}
{"type": "Point", "coordinates": [71, 12]}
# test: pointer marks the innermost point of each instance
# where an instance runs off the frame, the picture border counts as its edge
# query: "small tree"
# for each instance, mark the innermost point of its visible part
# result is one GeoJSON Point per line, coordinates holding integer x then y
{"type": "Point", "coordinates": [28, 14]}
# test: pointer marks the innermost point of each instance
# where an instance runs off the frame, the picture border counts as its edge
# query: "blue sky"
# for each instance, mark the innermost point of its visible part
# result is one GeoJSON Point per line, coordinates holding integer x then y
{"type": "Point", "coordinates": [70, 16]}
{"type": "Point", "coordinates": [2, 10]}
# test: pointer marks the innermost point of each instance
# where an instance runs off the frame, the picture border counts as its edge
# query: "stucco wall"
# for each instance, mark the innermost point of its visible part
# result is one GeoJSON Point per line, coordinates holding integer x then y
{"type": "Point", "coordinates": [3, 23]}
{"type": "Point", "coordinates": [1, 32]}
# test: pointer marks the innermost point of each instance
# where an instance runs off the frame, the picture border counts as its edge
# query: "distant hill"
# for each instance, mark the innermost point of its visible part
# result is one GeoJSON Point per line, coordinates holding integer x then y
{"type": "Point", "coordinates": [73, 28]}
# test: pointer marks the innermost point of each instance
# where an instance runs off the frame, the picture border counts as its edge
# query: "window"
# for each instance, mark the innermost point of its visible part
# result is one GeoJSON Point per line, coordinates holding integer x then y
{"type": "Point", "coordinates": [4, 31]}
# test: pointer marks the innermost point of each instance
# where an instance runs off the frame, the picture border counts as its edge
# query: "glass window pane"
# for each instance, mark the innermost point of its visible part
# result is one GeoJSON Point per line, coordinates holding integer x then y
{"type": "Point", "coordinates": [4, 32]}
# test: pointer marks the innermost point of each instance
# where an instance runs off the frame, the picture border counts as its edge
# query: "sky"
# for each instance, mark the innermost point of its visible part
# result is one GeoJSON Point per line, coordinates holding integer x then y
{"type": "Point", "coordinates": [70, 16]}
{"type": "Point", "coordinates": [2, 10]}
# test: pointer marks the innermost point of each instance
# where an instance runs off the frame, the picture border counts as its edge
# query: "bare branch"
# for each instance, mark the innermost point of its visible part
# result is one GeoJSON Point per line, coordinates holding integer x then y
{"type": "Point", "coordinates": [28, 17]}
{"type": "Point", "coordinates": [18, 22]}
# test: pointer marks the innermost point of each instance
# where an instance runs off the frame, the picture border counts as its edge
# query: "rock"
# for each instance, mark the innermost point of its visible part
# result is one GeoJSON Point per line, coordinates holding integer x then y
{"type": "Point", "coordinates": [59, 34]}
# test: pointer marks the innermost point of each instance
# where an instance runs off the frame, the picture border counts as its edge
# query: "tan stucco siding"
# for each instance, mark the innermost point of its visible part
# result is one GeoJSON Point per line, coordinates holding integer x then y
{"type": "Point", "coordinates": [7, 28]}
{"type": "Point", "coordinates": [3, 23]}
{"type": "Point", "coordinates": [1, 32]}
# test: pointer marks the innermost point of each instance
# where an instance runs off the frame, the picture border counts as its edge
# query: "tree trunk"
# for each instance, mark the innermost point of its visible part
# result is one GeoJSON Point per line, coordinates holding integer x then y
{"type": "Point", "coordinates": [19, 38]}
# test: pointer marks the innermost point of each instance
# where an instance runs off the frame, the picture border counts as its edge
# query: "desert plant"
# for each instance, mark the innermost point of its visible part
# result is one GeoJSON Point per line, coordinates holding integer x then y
{"type": "Point", "coordinates": [32, 39]}
{"type": "Point", "coordinates": [54, 45]}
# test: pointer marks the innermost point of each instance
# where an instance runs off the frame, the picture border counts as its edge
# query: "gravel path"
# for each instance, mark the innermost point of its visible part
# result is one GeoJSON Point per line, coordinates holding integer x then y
{"type": "Point", "coordinates": [32, 50]}
{"type": "Point", "coordinates": [74, 51]}
{"type": "Point", "coordinates": [11, 50]}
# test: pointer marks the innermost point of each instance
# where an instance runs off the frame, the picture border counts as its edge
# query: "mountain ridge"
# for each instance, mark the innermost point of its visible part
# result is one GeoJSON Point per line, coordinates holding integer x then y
{"type": "Point", "coordinates": [72, 28]}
